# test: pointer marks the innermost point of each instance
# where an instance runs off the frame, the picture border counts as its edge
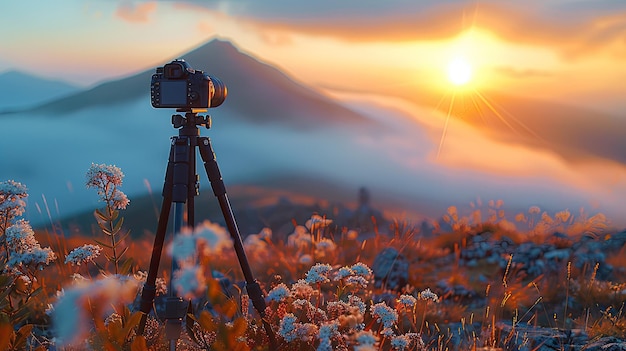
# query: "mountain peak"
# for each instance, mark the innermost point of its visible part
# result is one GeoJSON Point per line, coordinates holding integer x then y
{"type": "Point", "coordinates": [221, 43]}
{"type": "Point", "coordinates": [213, 50]}
{"type": "Point", "coordinates": [257, 91]}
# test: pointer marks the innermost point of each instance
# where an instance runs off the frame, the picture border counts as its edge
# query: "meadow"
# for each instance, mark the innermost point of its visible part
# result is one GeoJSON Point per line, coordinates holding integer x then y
{"type": "Point", "coordinates": [474, 279]}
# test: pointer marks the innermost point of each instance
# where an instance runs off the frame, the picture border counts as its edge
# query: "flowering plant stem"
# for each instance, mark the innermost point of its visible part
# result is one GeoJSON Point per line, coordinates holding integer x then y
{"type": "Point", "coordinates": [111, 226]}
{"type": "Point", "coordinates": [106, 180]}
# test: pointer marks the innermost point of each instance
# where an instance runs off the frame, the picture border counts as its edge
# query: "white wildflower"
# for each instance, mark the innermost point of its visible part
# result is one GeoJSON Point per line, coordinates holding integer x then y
{"type": "Point", "coordinates": [20, 237]}
{"type": "Point", "coordinates": [324, 247]}
{"type": "Point", "coordinates": [301, 289]}
{"type": "Point", "coordinates": [257, 245]}
{"type": "Point", "coordinates": [356, 301]}
{"type": "Point", "coordinates": [400, 342]}
{"type": "Point", "coordinates": [288, 327]}
{"type": "Point", "coordinates": [357, 280]}
{"type": "Point", "coordinates": [407, 301]}
{"type": "Point", "coordinates": [384, 314]}
{"type": "Point", "coordinates": [366, 338]}
{"type": "Point", "coordinates": [362, 269]}
{"type": "Point", "coordinates": [12, 195]}
{"type": "Point", "coordinates": [279, 293]}
{"type": "Point", "coordinates": [72, 322]}
{"type": "Point", "coordinates": [206, 239]}
{"type": "Point", "coordinates": [213, 237]}
{"type": "Point", "coordinates": [306, 331]}
{"type": "Point", "coordinates": [24, 249]}
{"type": "Point", "coordinates": [428, 295]}
{"type": "Point", "coordinates": [183, 246]}
{"type": "Point", "coordinates": [342, 273]}
{"type": "Point", "coordinates": [83, 254]}
{"type": "Point", "coordinates": [302, 304]}
{"type": "Point", "coordinates": [318, 273]}
{"type": "Point", "coordinates": [317, 222]}
{"type": "Point", "coordinates": [325, 334]}
{"type": "Point", "coordinates": [387, 332]}
{"type": "Point", "coordinates": [300, 238]}
{"type": "Point", "coordinates": [106, 180]}
{"type": "Point", "coordinates": [189, 282]}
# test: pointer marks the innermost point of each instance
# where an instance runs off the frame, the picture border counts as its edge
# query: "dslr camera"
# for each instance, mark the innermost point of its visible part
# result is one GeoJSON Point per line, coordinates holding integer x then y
{"type": "Point", "coordinates": [177, 85]}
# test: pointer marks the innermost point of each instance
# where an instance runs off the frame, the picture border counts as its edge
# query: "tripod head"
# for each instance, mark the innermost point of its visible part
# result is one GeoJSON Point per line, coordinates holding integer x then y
{"type": "Point", "coordinates": [190, 120]}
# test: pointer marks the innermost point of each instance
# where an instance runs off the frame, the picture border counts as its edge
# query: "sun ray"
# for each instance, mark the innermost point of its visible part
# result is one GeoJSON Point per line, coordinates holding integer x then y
{"type": "Point", "coordinates": [504, 120]}
{"type": "Point", "coordinates": [479, 110]}
{"type": "Point", "coordinates": [495, 112]}
{"type": "Point", "coordinates": [441, 100]}
{"type": "Point", "coordinates": [445, 127]}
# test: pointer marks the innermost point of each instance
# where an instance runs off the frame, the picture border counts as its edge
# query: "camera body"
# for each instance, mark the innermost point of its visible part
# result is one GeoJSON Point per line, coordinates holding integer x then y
{"type": "Point", "coordinates": [177, 85]}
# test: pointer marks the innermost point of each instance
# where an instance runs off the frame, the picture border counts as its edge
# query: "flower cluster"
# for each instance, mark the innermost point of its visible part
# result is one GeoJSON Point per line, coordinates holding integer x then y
{"type": "Point", "coordinates": [72, 322]}
{"type": "Point", "coordinates": [328, 321]}
{"type": "Point", "coordinates": [106, 179]}
{"type": "Point", "coordinates": [406, 301]}
{"type": "Point", "coordinates": [187, 248]}
{"type": "Point", "coordinates": [83, 254]}
{"type": "Point", "coordinates": [300, 238]}
{"type": "Point", "coordinates": [356, 275]}
{"type": "Point", "coordinates": [258, 245]}
{"type": "Point", "coordinates": [319, 273]}
{"type": "Point", "coordinates": [12, 204]}
{"type": "Point", "coordinates": [205, 239]}
{"type": "Point", "coordinates": [189, 281]}
{"type": "Point", "coordinates": [317, 222]}
{"type": "Point", "coordinates": [385, 315]}
{"type": "Point", "coordinates": [23, 249]}
{"type": "Point", "coordinates": [429, 296]}
{"type": "Point", "coordinates": [279, 293]}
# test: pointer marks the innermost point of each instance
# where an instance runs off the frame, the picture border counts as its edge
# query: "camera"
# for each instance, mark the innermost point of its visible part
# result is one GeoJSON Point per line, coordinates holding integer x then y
{"type": "Point", "coordinates": [177, 85]}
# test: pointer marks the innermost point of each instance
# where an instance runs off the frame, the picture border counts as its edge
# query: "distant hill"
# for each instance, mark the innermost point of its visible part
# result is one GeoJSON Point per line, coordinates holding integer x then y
{"type": "Point", "coordinates": [257, 91]}
{"type": "Point", "coordinates": [19, 90]}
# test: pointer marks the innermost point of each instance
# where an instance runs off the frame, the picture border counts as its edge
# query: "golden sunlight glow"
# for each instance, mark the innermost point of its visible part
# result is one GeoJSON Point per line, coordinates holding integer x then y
{"type": "Point", "coordinates": [459, 71]}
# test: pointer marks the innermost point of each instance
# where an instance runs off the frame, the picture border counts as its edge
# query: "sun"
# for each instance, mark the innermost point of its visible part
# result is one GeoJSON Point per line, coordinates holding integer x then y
{"type": "Point", "coordinates": [459, 71]}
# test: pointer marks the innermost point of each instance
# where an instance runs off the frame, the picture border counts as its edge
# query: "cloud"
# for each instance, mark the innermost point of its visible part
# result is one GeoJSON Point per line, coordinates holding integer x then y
{"type": "Point", "coordinates": [135, 13]}
{"type": "Point", "coordinates": [575, 28]}
{"type": "Point", "coordinates": [525, 73]}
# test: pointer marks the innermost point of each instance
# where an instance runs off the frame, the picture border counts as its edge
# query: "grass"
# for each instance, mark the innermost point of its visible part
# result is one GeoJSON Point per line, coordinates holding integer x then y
{"type": "Point", "coordinates": [319, 288]}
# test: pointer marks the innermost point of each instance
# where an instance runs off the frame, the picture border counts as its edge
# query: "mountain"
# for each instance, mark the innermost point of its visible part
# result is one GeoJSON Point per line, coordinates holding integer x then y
{"type": "Point", "coordinates": [19, 90]}
{"type": "Point", "coordinates": [257, 91]}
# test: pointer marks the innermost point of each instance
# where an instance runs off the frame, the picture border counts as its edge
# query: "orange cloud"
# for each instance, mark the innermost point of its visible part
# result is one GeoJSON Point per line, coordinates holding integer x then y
{"type": "Point", "coordinates": [574, 33]}
{"type": "Point", "coordinates": [136, 13]}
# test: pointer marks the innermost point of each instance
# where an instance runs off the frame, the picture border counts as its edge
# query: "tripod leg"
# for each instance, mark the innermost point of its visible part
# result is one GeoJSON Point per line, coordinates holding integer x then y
{"type": "Point", "coordinates": [175, 189]}
{"type": "Point", "coordinates": [219, 189]}
{"type": "Point", "coordinates": [149, 288]}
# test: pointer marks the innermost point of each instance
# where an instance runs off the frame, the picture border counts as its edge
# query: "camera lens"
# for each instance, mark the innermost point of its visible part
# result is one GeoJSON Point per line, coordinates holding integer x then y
{"type": "Point", "coordinates": [220, 92]}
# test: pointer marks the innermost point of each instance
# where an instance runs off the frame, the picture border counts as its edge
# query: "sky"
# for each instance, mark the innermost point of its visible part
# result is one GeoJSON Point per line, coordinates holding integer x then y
{"type": "Point", "coordinates": [556, 55]}
{"type": "Point", "coordinates": [520, 44]}
{"type": "Point", "coordinates": [570, 50]}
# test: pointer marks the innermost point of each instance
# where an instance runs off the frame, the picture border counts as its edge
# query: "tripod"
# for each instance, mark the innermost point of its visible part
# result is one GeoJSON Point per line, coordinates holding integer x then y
{"type": "Point", "coordinates": [180, 187]}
